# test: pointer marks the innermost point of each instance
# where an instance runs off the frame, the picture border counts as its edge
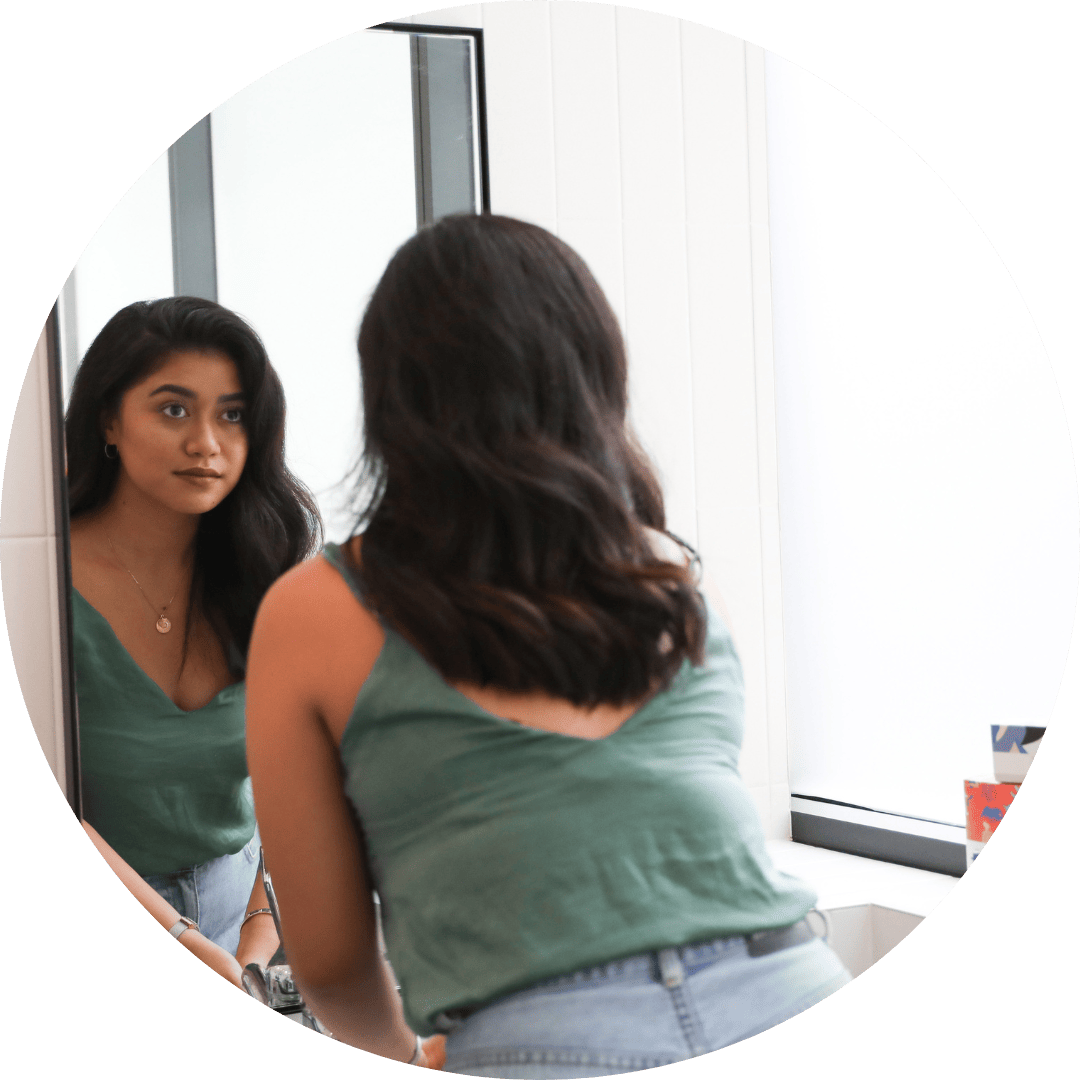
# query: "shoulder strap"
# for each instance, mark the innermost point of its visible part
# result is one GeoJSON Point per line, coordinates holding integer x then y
{"type": "Point", "coordinates": [335, 556]}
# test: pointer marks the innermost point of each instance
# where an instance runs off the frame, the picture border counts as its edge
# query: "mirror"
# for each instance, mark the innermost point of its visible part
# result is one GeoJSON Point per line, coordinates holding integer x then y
{"type": "Point", "coordinates": [291, 197]}
{"type": "Point", "coordinates": [284, 205]}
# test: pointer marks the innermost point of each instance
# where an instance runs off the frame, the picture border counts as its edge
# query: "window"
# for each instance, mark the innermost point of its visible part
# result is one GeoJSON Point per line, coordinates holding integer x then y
{"type": "Point", "coordinates": [927, 498]}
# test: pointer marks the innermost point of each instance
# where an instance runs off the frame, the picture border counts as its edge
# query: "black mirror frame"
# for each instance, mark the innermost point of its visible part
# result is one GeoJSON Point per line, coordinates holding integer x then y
{"type": "Point", "coordinates": [191, 200]}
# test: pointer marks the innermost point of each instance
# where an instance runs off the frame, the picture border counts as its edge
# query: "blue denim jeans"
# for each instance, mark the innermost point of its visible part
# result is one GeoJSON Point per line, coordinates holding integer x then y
{"type": "Point", "coordinates": [215, 894]}
{"type": "Point", "coordinates": [645, 1011]}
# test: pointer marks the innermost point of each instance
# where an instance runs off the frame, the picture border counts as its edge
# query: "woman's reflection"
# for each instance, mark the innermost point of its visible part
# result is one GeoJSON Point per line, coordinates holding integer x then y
{"type": "Point", "coordinates": [182, 515]}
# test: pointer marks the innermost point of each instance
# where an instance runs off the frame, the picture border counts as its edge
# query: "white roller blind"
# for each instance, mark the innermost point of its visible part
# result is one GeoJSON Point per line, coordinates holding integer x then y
{"type": "Point", "coordinates": [927, 494]}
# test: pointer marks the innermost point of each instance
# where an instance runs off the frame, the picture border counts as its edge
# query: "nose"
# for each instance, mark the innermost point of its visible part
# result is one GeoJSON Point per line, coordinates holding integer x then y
{"type": "Point", "coordinates": [203, 441]}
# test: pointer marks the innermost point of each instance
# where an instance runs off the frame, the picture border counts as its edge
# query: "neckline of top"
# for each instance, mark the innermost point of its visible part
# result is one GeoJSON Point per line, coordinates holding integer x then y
{"type": "Point", "coordinates": [152, 682]}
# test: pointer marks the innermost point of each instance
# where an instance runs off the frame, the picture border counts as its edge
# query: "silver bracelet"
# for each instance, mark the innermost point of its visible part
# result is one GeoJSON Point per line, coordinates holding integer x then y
{"type": "Point", "coordinates": [252, 914]}
{"type": "Point", "coordinates": [417, 1052]}
{"type": "Point", "coordinates": [184, 923]}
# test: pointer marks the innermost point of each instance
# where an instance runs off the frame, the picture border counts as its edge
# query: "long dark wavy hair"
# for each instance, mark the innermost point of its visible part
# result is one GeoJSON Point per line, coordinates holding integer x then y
{"type": "Point", "coordinates": [268, 522]}
{"type": "Point", "coordinates": [503, 497]}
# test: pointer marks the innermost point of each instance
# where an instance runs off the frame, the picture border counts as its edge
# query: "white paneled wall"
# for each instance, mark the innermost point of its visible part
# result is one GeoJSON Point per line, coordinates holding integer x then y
{"type": "Point", "coordinates": [639, 139]}
{"type": "Point", "coordinates": [28, 561]}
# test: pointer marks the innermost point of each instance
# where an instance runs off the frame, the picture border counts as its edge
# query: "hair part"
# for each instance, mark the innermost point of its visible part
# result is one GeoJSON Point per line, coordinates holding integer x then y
{"type": "Point", "coordinates": [268, 522]}
{"type": "Point", "coordinates": [504, 499]}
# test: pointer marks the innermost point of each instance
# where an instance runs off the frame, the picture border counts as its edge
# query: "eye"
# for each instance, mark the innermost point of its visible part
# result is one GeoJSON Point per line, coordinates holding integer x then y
{"type": "Point", "coordinates": [174, 410]}
{"type": "Point", "coordinates": [234, 415]}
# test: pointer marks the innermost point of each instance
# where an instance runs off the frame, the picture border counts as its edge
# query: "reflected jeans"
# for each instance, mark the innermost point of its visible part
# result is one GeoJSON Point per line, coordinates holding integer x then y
{"type": "Point", "coordinates": [215, 894]}
{"type": "Point", "coordinates": [642, 1012]}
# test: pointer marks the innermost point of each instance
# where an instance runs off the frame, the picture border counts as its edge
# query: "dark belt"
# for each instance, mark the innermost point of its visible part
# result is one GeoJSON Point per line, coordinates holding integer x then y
{"type": "Point", "coordinates": [763, 942]}
{"type": "Point", "coordinates": [759, 943]}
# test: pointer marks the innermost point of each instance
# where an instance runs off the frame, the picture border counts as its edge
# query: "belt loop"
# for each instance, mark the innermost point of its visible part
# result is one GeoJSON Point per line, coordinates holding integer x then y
{"type": "Point", "coordinates": [672, 972]}
{"type": "Point", "coordinates": [826, 922]}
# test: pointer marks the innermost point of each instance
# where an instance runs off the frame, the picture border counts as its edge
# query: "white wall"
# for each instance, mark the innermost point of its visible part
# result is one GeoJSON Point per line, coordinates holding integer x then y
{"type": "Point", "coordinates": [639, 139]}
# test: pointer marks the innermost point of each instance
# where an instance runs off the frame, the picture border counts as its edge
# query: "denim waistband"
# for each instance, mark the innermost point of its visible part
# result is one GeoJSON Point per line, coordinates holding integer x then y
{"type": "Point", "coordinates": [660, 965]}
{"type": "Point", "coordinates": [646, 965]}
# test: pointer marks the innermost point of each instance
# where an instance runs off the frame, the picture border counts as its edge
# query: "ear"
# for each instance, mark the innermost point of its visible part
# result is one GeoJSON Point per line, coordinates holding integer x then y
{"type": "Point", "coordinates": [109, 426]}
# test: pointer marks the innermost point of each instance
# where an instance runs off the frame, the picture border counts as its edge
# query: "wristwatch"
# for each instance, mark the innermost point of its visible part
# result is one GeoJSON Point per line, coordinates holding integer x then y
{"type": "Point", "coordinates": [184, 924]}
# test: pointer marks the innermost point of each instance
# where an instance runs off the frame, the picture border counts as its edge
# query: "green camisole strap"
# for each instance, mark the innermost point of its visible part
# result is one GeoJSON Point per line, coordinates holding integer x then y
{"type": "Point", "coordinates": [167, 788]}
{"type": "Point", "coordinates": [505, 855]}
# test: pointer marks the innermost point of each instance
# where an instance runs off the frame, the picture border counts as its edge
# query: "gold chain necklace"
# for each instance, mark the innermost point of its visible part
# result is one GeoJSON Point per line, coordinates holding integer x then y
{"type": "Point", "coordinates": [163, 625]}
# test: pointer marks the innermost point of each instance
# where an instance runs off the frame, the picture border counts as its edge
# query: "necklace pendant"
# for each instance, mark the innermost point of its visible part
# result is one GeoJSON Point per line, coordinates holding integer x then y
{"type": "Point", "coordinates": [163, 625]}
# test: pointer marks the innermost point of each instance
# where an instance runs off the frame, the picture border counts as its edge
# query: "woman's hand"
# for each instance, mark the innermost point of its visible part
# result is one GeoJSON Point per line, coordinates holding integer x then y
{"type": "Point", "coordinates": [433, 1052]}
{"type": "Point", "coordinates": [214, 956]}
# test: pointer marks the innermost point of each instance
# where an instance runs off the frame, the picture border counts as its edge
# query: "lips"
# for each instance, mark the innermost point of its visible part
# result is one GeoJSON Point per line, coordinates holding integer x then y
{"type": "Point", "coordinates": [200, 472]}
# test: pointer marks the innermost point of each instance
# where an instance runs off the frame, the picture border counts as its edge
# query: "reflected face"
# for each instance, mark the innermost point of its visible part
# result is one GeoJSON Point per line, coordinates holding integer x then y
{"type": "Point", "coordinates": [180, 435]}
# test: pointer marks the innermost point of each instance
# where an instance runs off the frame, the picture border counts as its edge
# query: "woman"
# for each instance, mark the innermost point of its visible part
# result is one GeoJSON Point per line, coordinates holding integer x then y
{"type": "Point", "coordinates": [513, 685]}
{"type": "Point", "coordinates": [182, 514]}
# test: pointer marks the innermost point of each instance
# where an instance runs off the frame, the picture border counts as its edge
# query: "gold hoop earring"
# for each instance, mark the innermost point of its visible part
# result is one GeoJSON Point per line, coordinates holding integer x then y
{"type": "Point", "coordinates": [115, 453]}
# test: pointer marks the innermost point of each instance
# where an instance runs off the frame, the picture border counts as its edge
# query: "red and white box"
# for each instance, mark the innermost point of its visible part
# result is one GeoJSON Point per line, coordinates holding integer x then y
{"type": "Point", "coordinates": [986, 806]}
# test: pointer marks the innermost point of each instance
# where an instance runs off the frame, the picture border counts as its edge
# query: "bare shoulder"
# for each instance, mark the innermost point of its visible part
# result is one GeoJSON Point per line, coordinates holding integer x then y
{"type": "Point", "coordinates": [313, 639]}
{"type": "Point", "coordinates": [314, 598]}
{"type": "Point", "coordinates": [299, 586]}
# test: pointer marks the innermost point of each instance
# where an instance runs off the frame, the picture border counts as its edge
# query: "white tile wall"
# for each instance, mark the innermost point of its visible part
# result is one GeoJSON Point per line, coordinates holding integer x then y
{"type": "Point", "coordinates": [640, 140]}
{"type": "Point", "coordinates": [28, 561]}
{"type": "Point", "coordinates": [27, 508]}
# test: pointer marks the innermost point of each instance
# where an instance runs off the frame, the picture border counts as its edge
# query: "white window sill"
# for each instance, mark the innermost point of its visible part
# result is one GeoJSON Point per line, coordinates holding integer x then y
{"type": "Point", "coordinates": [843, 881]}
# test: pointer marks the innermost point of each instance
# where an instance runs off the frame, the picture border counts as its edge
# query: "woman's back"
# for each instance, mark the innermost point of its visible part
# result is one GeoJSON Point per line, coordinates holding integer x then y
{"type": "Point", "coordinates": [505, 853]}
{"type": "Point", "coordinates": [508, 712]}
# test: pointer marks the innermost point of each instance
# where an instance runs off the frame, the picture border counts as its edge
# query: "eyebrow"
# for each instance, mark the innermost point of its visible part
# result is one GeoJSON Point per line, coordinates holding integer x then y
{"type": "Point", "coordinates": [183, 391]}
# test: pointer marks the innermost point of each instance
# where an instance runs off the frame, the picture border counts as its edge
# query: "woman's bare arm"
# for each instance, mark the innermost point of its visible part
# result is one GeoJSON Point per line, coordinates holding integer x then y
{"type": "Point", "coordinates": [308, 658]}
{"type": "Point", "coordinates": [258, 935]}
{"type": "Point", "coordinates": [214, 956]}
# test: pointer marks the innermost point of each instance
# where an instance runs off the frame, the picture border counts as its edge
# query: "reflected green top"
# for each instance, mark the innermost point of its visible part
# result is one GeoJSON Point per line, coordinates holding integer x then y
{"type": "Point", "coordinates": [504, 855]}
{"type": "Point", "coordinates": [167, 788]}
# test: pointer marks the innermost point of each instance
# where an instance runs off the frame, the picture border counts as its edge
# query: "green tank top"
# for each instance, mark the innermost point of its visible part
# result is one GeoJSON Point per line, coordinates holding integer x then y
{"type": "Point", "coordinates": [504, 855]}
{"type": "Point", "coordinates": [167, 788]}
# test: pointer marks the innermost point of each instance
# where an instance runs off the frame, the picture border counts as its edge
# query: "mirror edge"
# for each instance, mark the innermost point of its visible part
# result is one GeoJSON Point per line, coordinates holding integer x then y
{"type": "Point", "coordinates": [58, 452]}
